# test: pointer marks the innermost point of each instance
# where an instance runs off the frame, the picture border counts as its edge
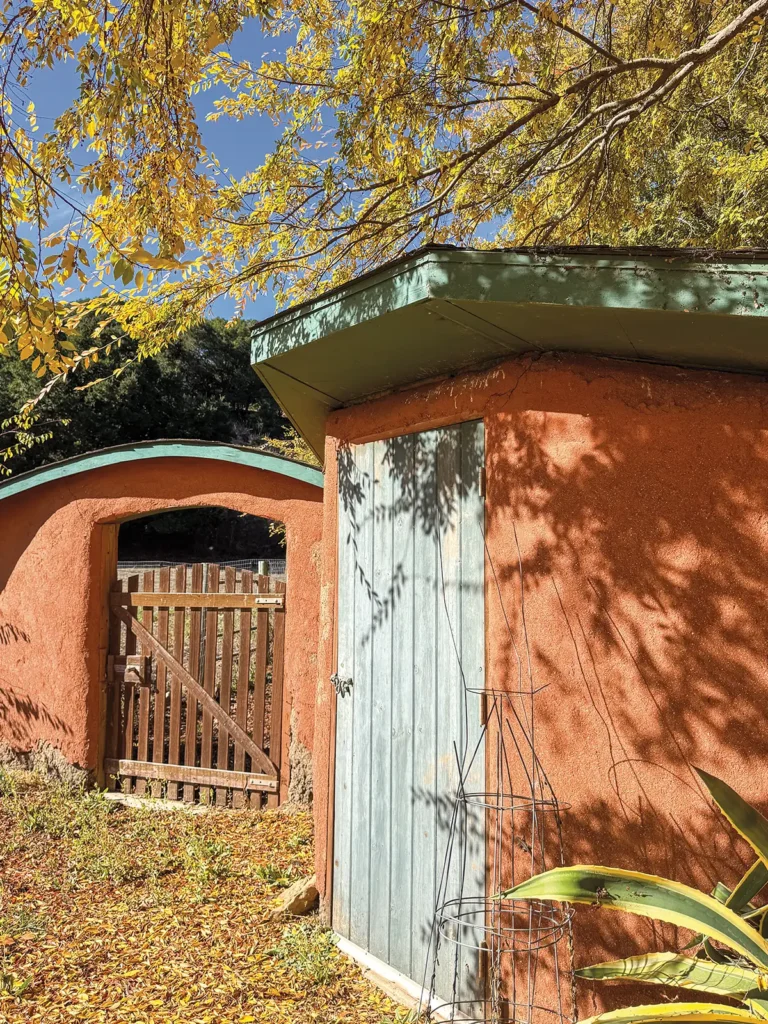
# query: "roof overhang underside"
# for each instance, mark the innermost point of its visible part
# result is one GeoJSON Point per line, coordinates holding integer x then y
{"type": "Point", "coordinates": [445, 310]}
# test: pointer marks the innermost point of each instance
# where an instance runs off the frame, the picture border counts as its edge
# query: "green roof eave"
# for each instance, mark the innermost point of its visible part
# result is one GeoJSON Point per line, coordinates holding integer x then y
{"type": "Point", "coordinates": [442, 310]}
{"type": "Point", "coordinates": [120, 454]}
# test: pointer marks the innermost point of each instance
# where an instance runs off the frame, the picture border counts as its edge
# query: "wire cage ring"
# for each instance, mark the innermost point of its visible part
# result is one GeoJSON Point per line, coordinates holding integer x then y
{"type": "Point", "coordinates": [513, 925]}
{"type": "Point", "coordinates": [487, 1011]}
{"type": "Point", "coordinates": [511, 802]}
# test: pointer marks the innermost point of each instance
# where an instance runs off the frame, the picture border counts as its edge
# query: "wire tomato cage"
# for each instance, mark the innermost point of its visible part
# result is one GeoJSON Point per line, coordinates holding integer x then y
{"type": "Point", "coordinates": [493, 958]}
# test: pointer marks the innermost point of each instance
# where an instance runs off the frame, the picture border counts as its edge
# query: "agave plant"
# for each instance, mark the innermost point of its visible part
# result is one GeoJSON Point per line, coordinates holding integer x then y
{"type": "Point", "coordinates": [726, 917]}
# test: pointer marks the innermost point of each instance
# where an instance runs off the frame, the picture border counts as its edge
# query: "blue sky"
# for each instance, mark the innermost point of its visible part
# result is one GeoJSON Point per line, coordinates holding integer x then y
{"type": "Point", "coordinates": [239, 145]}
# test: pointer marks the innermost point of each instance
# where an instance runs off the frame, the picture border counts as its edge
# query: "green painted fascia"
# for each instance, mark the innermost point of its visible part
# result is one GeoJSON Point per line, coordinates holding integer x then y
{"type": "Point", "coordinates": [444, 310]}
{"type": "Point", "coordinates": [247, 457]}
{"type": "Point", "coordinates": [399, 285]}
{"type": "Point", "coordinates": [642, 282]}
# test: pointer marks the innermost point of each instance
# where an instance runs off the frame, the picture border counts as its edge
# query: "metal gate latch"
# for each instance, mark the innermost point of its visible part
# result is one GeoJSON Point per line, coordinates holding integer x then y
{"type": "Point", "coordinates": [341, 686]}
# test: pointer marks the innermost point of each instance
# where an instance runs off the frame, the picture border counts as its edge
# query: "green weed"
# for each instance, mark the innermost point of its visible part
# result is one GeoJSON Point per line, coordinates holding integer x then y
{"type": "Point", "coordinates": [274, 875]}
{"type": "Point", "coordinates": [11, 985]}
{"type": "Point", "coordinates": [310, 952]}
{"type": "Point", "coordinates": [206, 861]}
{"type": "Point", "coordinates": [15, 921]}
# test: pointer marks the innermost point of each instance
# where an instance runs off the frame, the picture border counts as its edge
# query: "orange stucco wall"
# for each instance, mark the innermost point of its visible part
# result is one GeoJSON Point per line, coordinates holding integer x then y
{"type": "Point", "coordinates": [638, 496]}
{"type": "Point", "coordinates": [53, 589]}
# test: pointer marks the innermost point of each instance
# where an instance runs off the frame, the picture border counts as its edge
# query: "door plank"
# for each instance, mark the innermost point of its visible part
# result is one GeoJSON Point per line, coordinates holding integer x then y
{"type": "Point", "coordinates": [403, 615]}
{"type": "Point", "coordinates": [361, 686]}
{"type": "Point", "coordinates": [450, 735]}
{"type": "Point", "coordinates": [425, 696]}
{"type": "Point", "coordinates": [348, 514]}
{"type": "Point", "coordinates": [381, 698]}
{"type": "Point", "coordinates": [114, 694]}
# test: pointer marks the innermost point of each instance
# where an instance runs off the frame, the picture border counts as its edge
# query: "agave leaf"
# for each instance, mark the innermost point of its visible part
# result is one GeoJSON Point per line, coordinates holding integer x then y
{"type": "Point", "coordinates": [757, 1003]}
{"type": "Point", "coordinates": [721, 892]}
{"type": "Point", "coordinates": [747, 821]}
{"type": "Point", "coordinates": [679, 1012]}
{"type": "Point", "coordinates": [750, 885]}
{"type": "Point", "coordinates": [680, 971]}
{"type": "Point", "coordinates": [648, 896]}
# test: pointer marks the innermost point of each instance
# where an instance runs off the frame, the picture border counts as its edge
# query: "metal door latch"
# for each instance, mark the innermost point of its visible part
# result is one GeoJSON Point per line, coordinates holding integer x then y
{"type": "Point", "coordinates": [341, 686]}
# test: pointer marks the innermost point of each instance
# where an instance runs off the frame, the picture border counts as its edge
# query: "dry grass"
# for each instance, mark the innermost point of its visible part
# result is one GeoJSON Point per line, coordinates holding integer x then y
{"type": "Point", "coordinates": [132, 916]}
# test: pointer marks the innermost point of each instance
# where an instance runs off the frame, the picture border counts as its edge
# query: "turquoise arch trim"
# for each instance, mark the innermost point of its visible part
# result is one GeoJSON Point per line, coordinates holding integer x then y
{"type": "Point", "coordinates": [121, 454]}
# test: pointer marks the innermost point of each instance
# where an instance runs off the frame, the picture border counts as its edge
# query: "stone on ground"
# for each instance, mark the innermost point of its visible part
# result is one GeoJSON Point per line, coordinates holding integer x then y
{"type": "Point", "coordinates": [298, 899]}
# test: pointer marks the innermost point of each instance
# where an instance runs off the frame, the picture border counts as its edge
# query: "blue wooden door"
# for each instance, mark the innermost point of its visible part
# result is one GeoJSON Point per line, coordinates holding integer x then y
{"type": "Point", "coordinates": [411, 644]}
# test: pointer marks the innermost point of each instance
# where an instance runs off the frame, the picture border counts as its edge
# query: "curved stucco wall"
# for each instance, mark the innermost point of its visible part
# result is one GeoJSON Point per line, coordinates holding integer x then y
{"type": "Point", "coordinates": [639, 500]}
{"type": "Point", "coordinates": [57, 541]}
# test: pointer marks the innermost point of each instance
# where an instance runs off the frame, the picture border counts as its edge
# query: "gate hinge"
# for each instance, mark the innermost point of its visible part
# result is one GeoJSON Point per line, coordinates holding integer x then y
{"type": "Point", "coordinates": [481, 482]}
{"type": "Point", "coordinates": [341, 686]}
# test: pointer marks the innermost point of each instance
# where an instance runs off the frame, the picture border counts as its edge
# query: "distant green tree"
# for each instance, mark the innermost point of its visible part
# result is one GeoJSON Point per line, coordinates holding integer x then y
{"type": "Point", "coordinates": [201, 386]}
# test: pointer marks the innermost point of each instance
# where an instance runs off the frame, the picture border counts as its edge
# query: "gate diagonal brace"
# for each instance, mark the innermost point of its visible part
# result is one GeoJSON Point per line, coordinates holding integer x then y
{"type": "Point", "coordinates": [239, 735]}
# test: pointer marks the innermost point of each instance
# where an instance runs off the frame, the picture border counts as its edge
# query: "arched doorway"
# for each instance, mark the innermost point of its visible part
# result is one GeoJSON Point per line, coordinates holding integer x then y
{"type": "Point", "coordinates": [213, 581]}
{"type": "Point", "coordinates": [58, 567]}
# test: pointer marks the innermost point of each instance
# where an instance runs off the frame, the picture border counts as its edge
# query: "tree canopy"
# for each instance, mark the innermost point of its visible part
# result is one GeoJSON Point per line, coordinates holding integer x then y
{"type": "Point", "coordinates": [201, 386]}
{"type": "Point", "coordinates": [400, 122]}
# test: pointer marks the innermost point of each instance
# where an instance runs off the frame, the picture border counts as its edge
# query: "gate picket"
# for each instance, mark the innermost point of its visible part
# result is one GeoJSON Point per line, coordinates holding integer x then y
{"type": "Point", "coordinates": [128, 688]}
{"type": "Point", "coordinates": [261, 658]}
{"type": "Point", "coordinates": [195, 630]}
{"type": "Point", "coordinates": [276, 698]}
{"type": "Point", "coordinates": [243, 677]}
{"type": "Point", "coordinates": [158, 721]}
{"type": "Point", "coordinates": [211, 637]}
{"type": "Point", "coordinates": [260, 670]}
{"type": "Point", "coordinates": [196, 712]}
{"type": "Point", "coordinates": [174, 724]}
{"type": "Point", "coordinates": [225, 690]}
{"type": "Point", "coordinates": [145, 691]}
{"type": "Point", "coordinates": [114, 696]}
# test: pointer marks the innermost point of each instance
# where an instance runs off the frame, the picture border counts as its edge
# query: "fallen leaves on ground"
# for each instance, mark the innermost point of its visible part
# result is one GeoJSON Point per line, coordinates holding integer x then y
{"type": "Point", "coordinates": [117, 915]}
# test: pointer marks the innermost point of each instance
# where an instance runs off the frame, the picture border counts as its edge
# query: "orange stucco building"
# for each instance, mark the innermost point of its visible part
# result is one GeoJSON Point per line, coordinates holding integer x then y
{"type": "Point", "coordinates": [542, 478]}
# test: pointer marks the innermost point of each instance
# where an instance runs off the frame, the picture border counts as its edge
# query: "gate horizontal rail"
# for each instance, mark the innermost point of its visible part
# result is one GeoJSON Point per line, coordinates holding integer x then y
{"type": "Point", "coordinates": [246, 781]}
{"type": "Point", "coordinates": [151, 599]}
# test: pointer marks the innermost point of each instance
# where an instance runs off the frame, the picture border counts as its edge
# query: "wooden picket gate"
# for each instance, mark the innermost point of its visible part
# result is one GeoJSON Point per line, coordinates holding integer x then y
{"type": "Point", "coordinates": [195, 685]}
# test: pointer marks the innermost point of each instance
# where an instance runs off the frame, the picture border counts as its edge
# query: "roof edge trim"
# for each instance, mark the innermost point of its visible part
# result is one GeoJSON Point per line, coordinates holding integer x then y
{"type": "Point", "coordinates": [166, 449]}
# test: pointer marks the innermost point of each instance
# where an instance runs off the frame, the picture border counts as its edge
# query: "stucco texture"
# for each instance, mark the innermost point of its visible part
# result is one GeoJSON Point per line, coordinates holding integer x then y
{"type": "Point", "coordinates": [56, 563]}
{"type": "Point", "coordinates": [634, 499]}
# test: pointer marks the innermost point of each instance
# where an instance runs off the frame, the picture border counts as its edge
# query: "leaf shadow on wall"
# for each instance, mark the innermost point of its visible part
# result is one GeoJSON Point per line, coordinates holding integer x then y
{"type": "Point", "coordinates": [643, 548]}
{"type": "Point", "coordinates": [643, 553]}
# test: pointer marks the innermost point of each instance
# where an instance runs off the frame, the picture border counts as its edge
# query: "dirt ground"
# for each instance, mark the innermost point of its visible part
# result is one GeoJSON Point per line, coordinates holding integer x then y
{"type": "Point", "coordinates": [116, 915]}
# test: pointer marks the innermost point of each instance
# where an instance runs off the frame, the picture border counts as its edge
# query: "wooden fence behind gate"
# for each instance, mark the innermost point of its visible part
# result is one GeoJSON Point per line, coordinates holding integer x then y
{"type": "Point", "coordinates": [195, 685]}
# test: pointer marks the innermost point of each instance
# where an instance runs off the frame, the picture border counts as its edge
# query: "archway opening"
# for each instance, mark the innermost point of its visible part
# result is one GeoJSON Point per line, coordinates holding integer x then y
{"type": "Point", "coordinates": [208, 534]}
{"type": "Point", "coordinates": [196, 655]}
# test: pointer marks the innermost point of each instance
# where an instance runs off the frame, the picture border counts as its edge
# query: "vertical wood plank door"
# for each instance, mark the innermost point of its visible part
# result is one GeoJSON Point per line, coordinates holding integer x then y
{"type": "Point", "coordinates": [411, 658]}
